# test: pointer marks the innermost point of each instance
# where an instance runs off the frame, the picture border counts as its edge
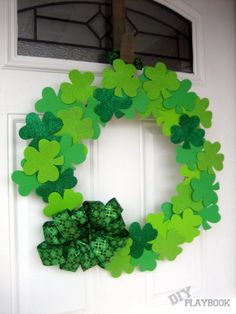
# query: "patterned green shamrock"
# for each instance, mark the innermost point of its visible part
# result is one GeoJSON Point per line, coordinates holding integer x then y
{"type": "Point", "coordinates": [158, 222]}
{"type": "Point", "coordinates": [79, 89]}
{"type": "Point", "coordinates": [121, 261]}
{"type": "Point", "coordinates": [168, 247]}
{"type": "Point", "coordinates": [122, 78]}
{"type": "Point", "coordinates": [51, 102]}
{"type": "Point", "coordinates": [187, 226]}
{"type": "Point", "coordinates": [75, 125]}
{"type": "Point", "coordinates": [139, 105]}
{"type": "Point", "coordinates": [44, 161]}
{"type": "Point", "coordinates": [74, 154]}
{"type": "Point", "coordinates": [147, 261]}
{"type": "Point", "coordinates": [209, 158]}
{"type": "Point", "coordinates": [65, 181]}
{"type": "Point", "coordinates": [141, 238]}
{"type": "Point", "coordinates": [57, 203]}
{"type": "Point", "coordinates": [187, 132]}
{"type": "Point", "coordinates": [161, 81]}
{"type": "Point", "coordinates": [188, 156]}
{"type": "Point", "coordinates": [204, 189]}
{"type": "Point", "coordinates": [182, 100]}
{"type": "Point", "coordinates": [209, 214]}
{"type": "Point", "coordinates": [36, 129]}
{"type": "Point", "coordinates": [110, 104]}
{"type": "Point", "coordinates": [184, 199]}
{"type": "Point", "coordinates": [200, 110]}
{"type": "Point", "coordinates": [26, 184]}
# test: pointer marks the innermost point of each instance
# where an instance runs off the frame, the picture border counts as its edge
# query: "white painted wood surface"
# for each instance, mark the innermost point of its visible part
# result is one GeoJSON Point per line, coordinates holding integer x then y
{"type": "Point", "coordinates": [131, 161]}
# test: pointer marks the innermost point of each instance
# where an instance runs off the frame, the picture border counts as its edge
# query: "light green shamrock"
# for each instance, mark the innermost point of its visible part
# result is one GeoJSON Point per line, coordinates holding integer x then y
{"type": "Point", "coordinates": [139, 105]}
{"type": "Point", "coordinates": [189, 174]}
{"type": "Point", "coordinates": [147, 261]}
{"type": "Point", "coordinates": [121, 261]}
{"type": "Point", "coordinates": [209, 158]}
{"type": "Point", "coordinates": [75, 125]}
{"type": "Point", "coordinates": [122, 78]}
{"type": "Point", "coordinates": [158, 223]}
{"type": "Point", "coordinates": [188, 156]}
{"type": "Point", "coordinates": [44, 160]}
{"type": "Point", "coordinates": [79, 89]}
{"type": "Point", "coordinates": [153, 108]}
{"type": "Point", "coordinates": [187, 226]}
{"type": "Point", "coordinates": [57, 203]}
{"type": "Point", "coordinates": [200, 110]}
{"type": "Point", "coordinates": [161, 81]}
{"type": "Point", "coordinates": [166, 119]}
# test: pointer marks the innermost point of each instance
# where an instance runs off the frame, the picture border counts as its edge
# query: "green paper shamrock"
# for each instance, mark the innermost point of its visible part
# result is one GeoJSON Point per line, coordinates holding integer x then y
{"type": "Point", "coordinates": [139, 104]}
{"type": "Point", "coordinates": [44, 161]}
{"type": "Point", "coordinates": [51, 102]}
{"type": "Point", "coordinates": [158, 222]}
{"type": "Point", "coordinates": [181, 99]}
{"type": "Point", "coordinates": [36, 129]}
{"type": "Point", "coordinates": [167, 119]}
{"type": "Point", "coordinates": [122, 79]}
{"type": "Point", "coordinates": [209, 214]}
{"type": "Point", "coordinates": [167, 209]}
{"type": "Point", "coordinates": [74, 154]}
{"type": "Point", "coordinates": [187, 226]}
{"type": "Point", "coordinates": [168, 247]}
{"type": "Point", "coordinates": [75, 125]}
{"type": "Point", "coordinates": [79, 89]}
{"type": "Point", "coordinates": [184, 199]}
{"type": "Point", "coordinates": [209, 159]}
{"type": "Point", "coordinates": [204, 189]}
{"type": "Point", "coordinates": [141, 238]}
{"type": "Point", "coordinates": [200, 110]}
{"type": "Point", "coordinates": [147, 261]}
{"type": "Point", "coordinates": [57, 203]}
{"type": "Point", "coordinates": [153, 108]}
{"type": "Point", "coordinates": [26, 183]}
{"type": "Point", "coordinates": [89, 112]}
{"type": "Point", "coordinates": [110, 104]}
{"type": "Point", "coordinates": [187, 132]}
{"type": "Point", "coordinates": [161, 82]}
{"type": "Point", "coordinates": [188, 156]}
{"type": "Point", "coordinates": [65, 181]}
{"type": "Point", "coordinates": [121, 261]}
{"type": "Point", "coordinates": [189, 174]}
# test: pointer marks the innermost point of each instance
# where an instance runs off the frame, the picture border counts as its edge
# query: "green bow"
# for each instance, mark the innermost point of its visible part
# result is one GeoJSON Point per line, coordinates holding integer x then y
{"type": "Point", "coordinates": [87, 236]}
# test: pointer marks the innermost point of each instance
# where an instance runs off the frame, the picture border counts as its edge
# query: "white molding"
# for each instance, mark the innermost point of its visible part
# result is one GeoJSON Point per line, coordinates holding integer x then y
{"type": "Point", "coordinates": [12, 61]}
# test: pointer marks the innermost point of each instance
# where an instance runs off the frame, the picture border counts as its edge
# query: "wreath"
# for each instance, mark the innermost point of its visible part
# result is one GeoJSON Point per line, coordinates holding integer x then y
{"type": "Point", "coordinates": [91, 233]}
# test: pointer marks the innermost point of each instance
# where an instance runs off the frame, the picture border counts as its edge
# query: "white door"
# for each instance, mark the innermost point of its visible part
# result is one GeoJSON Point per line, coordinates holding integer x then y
{"type": "Point", "coordinates": [131, 161]}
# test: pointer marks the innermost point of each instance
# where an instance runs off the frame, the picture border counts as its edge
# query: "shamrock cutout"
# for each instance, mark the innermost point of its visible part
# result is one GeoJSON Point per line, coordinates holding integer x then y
{"type": "Point", "coordinates": [44, 161]}
{"type": "Point", "coordinates": [110, 104]}
{"type": "Point", "coordinates": [50, 102]}
{"type": "Point", "coordinates": [139, 104]}
{"type": "Point", "coordinates": [204, 189]}
{"type": "Point", "coordinates": [26, 183]}
{"type": "Point", "coordinates": [200, 110]}
{"type": "Point", "coordinates": [57, 203]}
{"type": "Point", "coordinates": [187, 225]}
{"type": "Point", "coordinates": [121, 261]}
{"type": "Point", "coordinates": [75, 125]}
{"type": "Point", "coordinates": [141, 238]}
{"type": "Point", "coordinates": [79, 89]}
{"type": "Point", "coordinates": [158, 222]}
{"type": "Point", "coordinates": [187, 132]}
{"type": "Point", "coordinates": [182, 100]}
{"type": "Point", "coordinates": [166, 119]}
{"type": "Point", "coordinates": [184, 199]}
{"type": "Point", "coordinates": [188, 156]}
{"type": "Point", "coordinates": [167, 209]}
{"type": "Point", "coordinates": [209, 158]}
{"type": "Point", "coordinates": [73, 153]}
{"type": "Point", "coordinates": [65, 181]}
{"type": "Point", "coordinates": [89, 112]}
{"type": "Point", "coordinates": [189, 174]}
{"type": "Point", "coordinates": [168, 247]}
{"type": "Point", "coordinates": [122, 79]}
{"type": "Point", "coordinates": [209, 214]}
{"type": "Point", "coordinates": [147, 261]}
{"type": "Point", "coordinates": [161, 81]}
{"type": "Point", "coordinates": [153, 108]}
{"type": "Point", "coordinates": [36, 129]}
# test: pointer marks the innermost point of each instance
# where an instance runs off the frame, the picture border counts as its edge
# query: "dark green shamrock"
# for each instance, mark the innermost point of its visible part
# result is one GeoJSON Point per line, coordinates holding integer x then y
{"type": "Point", "coordinates": [36, 129]}
{"type": "Point", "coordinates": [110, 104]}
{"type": "Point", "coordinates": [141, 238]}
{"type": "Point", "coordinates": [187, 131]}
{"type": "Point", "coordinates": [65, 181]}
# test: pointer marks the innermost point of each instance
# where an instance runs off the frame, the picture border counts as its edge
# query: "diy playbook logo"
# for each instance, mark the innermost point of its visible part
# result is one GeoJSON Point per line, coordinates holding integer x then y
{"type": "Point", "coordinates": [184, 295]}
